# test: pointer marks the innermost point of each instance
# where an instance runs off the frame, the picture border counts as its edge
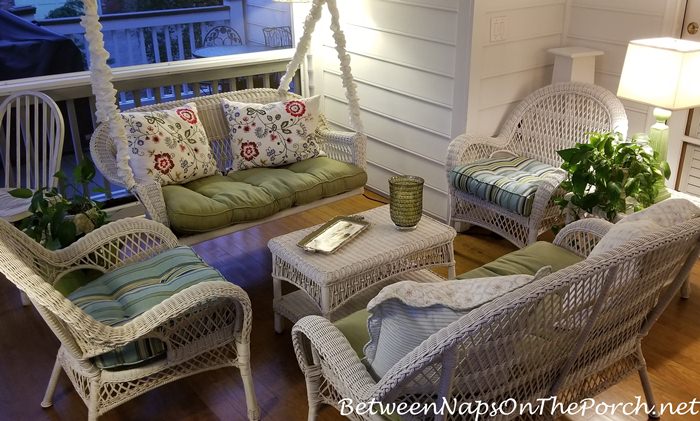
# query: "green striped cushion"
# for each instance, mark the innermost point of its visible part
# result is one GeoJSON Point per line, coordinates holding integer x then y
{"type": "Point", "coordinates": [510, 183]}
{"type": "Point", "coordinates": [119, 296]}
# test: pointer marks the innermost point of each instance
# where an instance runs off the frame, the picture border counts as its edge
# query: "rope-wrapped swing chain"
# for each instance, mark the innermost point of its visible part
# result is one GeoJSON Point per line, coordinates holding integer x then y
{"type": "Point", "coordinates": [303, 47]}
{"type": "Point", "coordinates": [103, 89]}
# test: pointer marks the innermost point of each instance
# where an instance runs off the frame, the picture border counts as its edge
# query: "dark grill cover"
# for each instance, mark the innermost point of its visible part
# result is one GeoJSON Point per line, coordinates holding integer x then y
{"type": "Point", "coordinates": [28, 50]}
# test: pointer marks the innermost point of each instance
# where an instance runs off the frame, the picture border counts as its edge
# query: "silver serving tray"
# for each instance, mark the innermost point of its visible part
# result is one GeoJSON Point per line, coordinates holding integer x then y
{"type": "Point", "coordinates": [334, 234]}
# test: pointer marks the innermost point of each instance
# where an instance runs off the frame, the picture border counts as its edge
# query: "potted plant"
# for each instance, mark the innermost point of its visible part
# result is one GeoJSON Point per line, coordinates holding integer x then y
{"type": "Point", "coordinates": [609, 175]}
{"type": "Point", "coordinates": [59, 216]}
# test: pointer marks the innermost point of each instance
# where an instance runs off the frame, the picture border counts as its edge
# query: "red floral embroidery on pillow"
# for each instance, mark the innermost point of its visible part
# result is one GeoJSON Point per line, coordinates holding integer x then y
{"type": "Point", "coordinates": [187, 115]}
{"type": "Point", "coordinates": [249, 150]}
{"type": "Point", "coordinates": [163, 162]}
{"type": "Point", "coordinates": [295, 108]}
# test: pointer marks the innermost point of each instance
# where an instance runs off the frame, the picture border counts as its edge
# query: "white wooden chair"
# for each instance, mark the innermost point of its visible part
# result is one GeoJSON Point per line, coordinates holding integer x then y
{"type": "Point", "coordinates": [550, 119]}
{"type": "Point", "coordinates": [571, 334]}
{"type": "Point", "coordinates": [202, 327]}
{"type": "Point", "coordinates": [31, 143]}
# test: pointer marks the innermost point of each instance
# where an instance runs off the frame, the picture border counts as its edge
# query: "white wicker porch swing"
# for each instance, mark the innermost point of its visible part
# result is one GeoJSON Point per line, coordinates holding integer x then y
{"type": "Point", "coordinates": [108, 142]}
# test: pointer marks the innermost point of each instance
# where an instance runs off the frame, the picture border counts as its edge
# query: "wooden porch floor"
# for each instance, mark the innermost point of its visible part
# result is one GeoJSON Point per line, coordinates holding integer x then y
{"type": "Point", "coordinates": [28, 348]}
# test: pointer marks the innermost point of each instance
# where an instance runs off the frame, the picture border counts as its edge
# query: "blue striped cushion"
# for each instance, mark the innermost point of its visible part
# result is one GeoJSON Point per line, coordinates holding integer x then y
{"type": "Point", "coordinates": [405, 314]}
{"type": "Point", "coordinates": [510, 183]}
{"type": "Point", "coordinates": [119, 296]}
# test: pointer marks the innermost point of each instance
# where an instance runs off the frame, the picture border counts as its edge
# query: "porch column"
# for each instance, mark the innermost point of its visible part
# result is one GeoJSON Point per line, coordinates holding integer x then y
{"type": "Point", "coordinates": [237, 18]}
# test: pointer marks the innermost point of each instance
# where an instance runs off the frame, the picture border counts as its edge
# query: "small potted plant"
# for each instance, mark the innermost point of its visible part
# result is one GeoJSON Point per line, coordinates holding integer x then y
{"type": "Point", "coordinates": [608, 176]}
{"type": "Point", "coordinates": [59, 216]}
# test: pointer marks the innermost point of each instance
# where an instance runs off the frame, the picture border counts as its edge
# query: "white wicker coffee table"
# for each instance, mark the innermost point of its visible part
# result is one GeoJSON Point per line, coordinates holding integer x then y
{"type": "Point", "coordinates": [375, 258]}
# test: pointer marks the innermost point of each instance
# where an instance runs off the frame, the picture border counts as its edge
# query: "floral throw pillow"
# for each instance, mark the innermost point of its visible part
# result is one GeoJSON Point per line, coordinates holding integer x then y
{"type": "Point", "coordinates": [273, 134]}
{"type": "Point", "coordinates": [168, 146]}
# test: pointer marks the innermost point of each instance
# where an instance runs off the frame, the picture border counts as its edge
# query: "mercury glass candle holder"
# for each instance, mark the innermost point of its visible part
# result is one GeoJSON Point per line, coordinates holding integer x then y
{"type": "Point", "coordinates": [406, 201]}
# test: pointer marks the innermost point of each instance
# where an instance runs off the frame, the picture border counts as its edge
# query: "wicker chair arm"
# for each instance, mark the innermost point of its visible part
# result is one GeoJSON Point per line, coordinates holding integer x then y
{"type": "Point", "coordinates": [117, 243]}
{"type": "Point", "coordinates": [344, 146]}
{"type": "Point", "coordinates": [174, 320]}
{"type": "Point", "coordinates": [150, 194]}
{"type": "Point", "coordinates": [466, 148]}
{"type": "Point", "coordinates": [318, 345]}
{"type": "Point", "coordinates": [581, 236]}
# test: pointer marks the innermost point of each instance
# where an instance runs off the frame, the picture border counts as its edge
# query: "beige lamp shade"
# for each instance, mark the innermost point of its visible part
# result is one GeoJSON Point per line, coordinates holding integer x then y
{"type": "Point", "coordinates": [663, 72]}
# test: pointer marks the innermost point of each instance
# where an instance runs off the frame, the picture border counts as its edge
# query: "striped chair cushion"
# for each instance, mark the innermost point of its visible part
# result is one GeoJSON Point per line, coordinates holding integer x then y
{"type": "Point", "coordinates": [510, 183]}
{"type": "Point", "coordinates": [119, 296]}
{"type": "Point", "coordinates": [423, 309]}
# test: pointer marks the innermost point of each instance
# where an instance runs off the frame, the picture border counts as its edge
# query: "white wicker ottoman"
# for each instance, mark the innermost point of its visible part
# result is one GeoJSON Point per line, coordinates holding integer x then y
{"type": "Point", "coordinates": [327, 282]}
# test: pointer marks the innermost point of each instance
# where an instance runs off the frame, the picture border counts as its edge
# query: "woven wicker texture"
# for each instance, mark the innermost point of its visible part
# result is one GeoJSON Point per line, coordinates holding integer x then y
{"type": "Point", "coordinates": [550, 119]}
{"type": "Point", "coordinates": [341, 146]}
{"type": "Point", "coordinates": [570, 334]}
{"type": "Point", "coordinates": [204, 327]}
{"type": "Point", "coordinates": [379, 253]}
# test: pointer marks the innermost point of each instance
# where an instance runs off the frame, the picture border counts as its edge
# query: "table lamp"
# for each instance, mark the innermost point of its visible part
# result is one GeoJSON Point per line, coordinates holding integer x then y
{"type": "Point", "coordinates": [664, 73]}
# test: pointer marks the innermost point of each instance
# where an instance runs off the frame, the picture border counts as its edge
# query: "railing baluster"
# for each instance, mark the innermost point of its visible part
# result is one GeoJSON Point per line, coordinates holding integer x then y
{"type": "Point", "coordinates": [232, 84]}
{"type": "Point", "coordinates": [249, 82]}
{"type": "Point", "coordinates": [142, 45]}
{"type": "Point", "coordinates": [178, 91]}
{"type": "Point", "coordinates": [215, 86]}
{"type": "Point", "coordinates": [75, 136]}
{"type": "Point", "coordinates": [38, 124]}
{"type": "Point", "coordinates": [93, 108]}
{"type": "Point", "coordinates": [196, 88]}
{"type": "Point", "coordinates": [168, 44]}
{"type": "Point", "coordinates": [47, 139]}
{"type": "Point", "coordinates": [18, 163]}
{"type": "Point", "coordinates": [193, 45]}
{"type": "Point", "coordinates": [156, 46]}
{"type": "Point", "coordinates": [136, 93]}
{"type": "Point", "coordinates": [28, 141]}
{"type": "Point", "coordinates": [266, 80]}
{"type": "Point", "coordinates": [180, 43]}
{"type": "Point", "coordinates": [158, 95]}
{"type": "Point", "coordinates": [6, 158]}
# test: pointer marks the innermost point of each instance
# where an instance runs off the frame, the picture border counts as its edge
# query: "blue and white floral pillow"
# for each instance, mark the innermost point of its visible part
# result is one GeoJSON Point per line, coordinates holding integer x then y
{"type": "Point", "coordinates": [273, 134]}
{"type": "Point", "coordinates": [168, 146]}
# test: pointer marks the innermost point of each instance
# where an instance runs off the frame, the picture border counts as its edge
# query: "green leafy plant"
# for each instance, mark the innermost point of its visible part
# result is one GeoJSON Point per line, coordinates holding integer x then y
{"type": "Point", "coordinates": [59, 216]}
{"type": "Point", "coordinates": [609, 175]}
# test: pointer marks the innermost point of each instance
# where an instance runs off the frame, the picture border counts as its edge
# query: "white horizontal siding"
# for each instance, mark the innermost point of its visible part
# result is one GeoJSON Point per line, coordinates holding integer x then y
{"type": "Point", "coordinates": [261, 14]}
{"type": "Point", "coordinates": [503, 72]}
{"type": "Point", "coordinates": [609, 25]}
{"type": "Point", "coordinates": [403, 56]}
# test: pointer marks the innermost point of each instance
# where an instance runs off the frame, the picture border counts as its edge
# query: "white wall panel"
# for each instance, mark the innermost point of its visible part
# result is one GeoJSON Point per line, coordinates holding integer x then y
{"type": "Point", "coordinates": [419, 21]}
{"type": "Point", "coordinates": [432, 87]}
{"type": "Point", "coordinates": [392, 131]}
{"type": "Point", "coordinates": [505, 69]}
{"type": "Point", "coordinates": [401, 107]}
{"type": "Point", "coordinates": [418, 53]}
{"type": "Point", "coordinates": [403, 56]}
{"type": "Point", "coordinates": [609, 25]}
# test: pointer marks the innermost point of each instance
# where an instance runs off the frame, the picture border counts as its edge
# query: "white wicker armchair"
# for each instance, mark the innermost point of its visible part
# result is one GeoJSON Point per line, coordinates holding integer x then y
{"type": "Point", "coordinates": [571, 334]}
{"type": "Point", "coordinates": [203, 327]}
{"type": "Point", "coordinates": [347, 147]}
{"type": "Point", "coordinates": [552, 118]}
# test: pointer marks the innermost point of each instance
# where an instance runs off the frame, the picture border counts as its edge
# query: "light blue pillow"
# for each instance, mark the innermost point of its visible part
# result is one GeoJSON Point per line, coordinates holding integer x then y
{"type": "Point", "coordinates": [406, 313]}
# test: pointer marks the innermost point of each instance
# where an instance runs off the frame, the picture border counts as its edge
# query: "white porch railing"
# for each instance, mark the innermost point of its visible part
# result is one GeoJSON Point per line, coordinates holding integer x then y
{"type": "Point", "coordinates": [151, 83]}
{"type": "Point", "coordinates": [153, 36]}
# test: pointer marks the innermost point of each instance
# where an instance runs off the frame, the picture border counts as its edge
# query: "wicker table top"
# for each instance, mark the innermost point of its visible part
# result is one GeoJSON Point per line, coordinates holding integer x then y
{"type": "Point", "coordinates": [380, 244]}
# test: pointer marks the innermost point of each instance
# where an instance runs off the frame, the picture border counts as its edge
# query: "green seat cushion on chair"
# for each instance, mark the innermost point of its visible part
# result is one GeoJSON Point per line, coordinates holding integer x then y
{"type": "Point", "coordinates": [510, 183]}
{"type": "Point", "coordinates": [117, 297]}
{"type": "Point", "coordinates": [526, 261]}
{"type": "Point", "coordinates": [354, 328]}
{"type": "Point", "coordinates": [219, 201]}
